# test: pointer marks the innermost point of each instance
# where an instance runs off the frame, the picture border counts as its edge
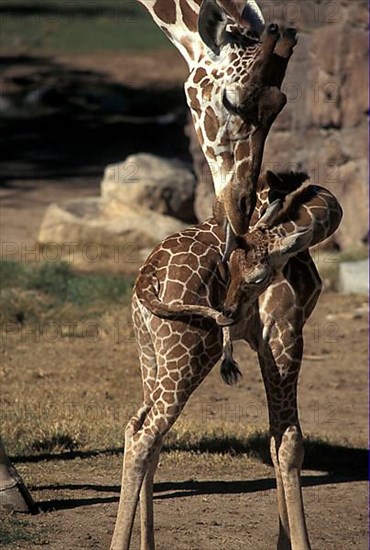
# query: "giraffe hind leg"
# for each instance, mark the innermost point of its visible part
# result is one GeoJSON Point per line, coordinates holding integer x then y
{"type": "Point", "coordinates": [146, 504]}
{"type": "Point", "coordinates": [142, 449]}
{"type": "Point", "coordinates": [286, 442]}
{"type": "Point", "coordinates": [146, 430]}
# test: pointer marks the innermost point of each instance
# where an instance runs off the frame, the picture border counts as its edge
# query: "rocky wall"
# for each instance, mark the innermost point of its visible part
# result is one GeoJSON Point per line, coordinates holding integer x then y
{"type": "Point", "coordinates": [324, 128]}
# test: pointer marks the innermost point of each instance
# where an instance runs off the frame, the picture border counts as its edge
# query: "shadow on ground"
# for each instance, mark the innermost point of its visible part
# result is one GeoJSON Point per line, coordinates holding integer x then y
{"type": "Point", "coordinates": [320, 455]}
{"type": "Point", "coordinates": [177, 489]}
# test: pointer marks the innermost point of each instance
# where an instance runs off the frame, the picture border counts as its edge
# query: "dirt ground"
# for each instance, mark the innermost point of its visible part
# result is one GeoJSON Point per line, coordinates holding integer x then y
{"type": "Point", "coordinates": [203, 500]}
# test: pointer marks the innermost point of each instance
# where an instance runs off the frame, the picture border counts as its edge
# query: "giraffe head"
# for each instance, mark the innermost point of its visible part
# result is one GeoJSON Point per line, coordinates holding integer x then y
{"type": "Point", "coordinates": [259, 259]}
{"type": "Point", "coordinates": [296, 218]}
{"type": "Point", "coordinates": [234, 94]}
{"type": "Point", "coordinates": [236, 52]}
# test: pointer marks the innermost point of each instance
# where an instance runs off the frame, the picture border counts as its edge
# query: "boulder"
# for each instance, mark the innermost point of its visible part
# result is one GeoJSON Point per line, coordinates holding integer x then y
{"type": "Point", "coordinates": [161, 185]}
{"type": "Point", "coordinates": [354, 277]}
{"type": "Point", "coordinates": [14, 495]}
{"type": "Point", "coordinates": [101, 223]}
{"type": "Point", "coordinates": [352, 190]}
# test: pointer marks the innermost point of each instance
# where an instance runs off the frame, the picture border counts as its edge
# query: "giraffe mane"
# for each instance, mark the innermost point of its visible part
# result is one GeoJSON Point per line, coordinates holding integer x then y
{"type": "Point", "coordinates": [283, 183]}
{"type": "Point", "coordinates": [290, 209]}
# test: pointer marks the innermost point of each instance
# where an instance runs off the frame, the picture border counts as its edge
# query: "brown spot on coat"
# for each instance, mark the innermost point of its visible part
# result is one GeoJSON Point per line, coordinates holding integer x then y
{"type": "Point", "coordinates": [165, 30]}
{"type": "Point", "coordinates": [210, 153]}
{"type": "Point", "coordinates": [211, 124]}
{"type": "Point", "coordinates": [192, 94]}
{"type": "Point", "coordinates": [242, 150]}
{"type": "Point", "coordinates": [168, 384]}
{"type": "Point", "coordinates": [199, 74]}
{"type": "Point", "coordinates": [207, 92]}
{"type": "Point", "coordinates": [184, 273]}
{"type": "Point", "coordinates": [178, 350]}
{"type": "Point", "coordinates": [165, 11]}
{"type": "Point", "coordinates": [187, 340]}
{"type": "Point", "coordinates": [190, 18]}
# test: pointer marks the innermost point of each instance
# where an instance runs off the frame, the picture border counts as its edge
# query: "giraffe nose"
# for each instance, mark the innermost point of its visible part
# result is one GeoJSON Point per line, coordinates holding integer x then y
{"type": "Point", "coordinates": [229, 312]}
{"type": "Point", "coordinates": [243, 103]}
{"type": "Point", "coordinates": [273, 28]}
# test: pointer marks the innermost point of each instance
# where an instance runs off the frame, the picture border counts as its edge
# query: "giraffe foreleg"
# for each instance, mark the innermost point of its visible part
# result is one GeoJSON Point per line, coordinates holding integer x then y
{"type": "Point", "coordinates": [280, 372]}
{"type": "Point", "coordinates": [290, 458]}
{"type": "Point", "coordinates": [284, 532]}
{"type": "Point", "coordinates": [143, 441]}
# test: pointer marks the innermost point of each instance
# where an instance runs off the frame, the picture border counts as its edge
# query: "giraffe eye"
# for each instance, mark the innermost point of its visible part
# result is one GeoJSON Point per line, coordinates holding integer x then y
{"type": "Point", "coordinates": [229, 106]}
{"type": "Point", "coordinates": [258, 280]}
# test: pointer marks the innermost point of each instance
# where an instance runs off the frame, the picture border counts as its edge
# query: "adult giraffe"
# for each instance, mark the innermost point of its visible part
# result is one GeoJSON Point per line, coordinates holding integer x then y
{"type": "Point", "coordinates": [233, 78]}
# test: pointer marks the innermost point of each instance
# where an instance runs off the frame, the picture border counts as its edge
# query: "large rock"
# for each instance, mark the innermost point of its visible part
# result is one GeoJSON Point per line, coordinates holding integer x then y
{"type": "Point", "coordinates": [101, 223]}
{"type": "Point", "coordinates": [162, 185]}
{"type": "Point", "coordinates": [354, 277]}
{"type": "Point", "coordinates": [14, 495]}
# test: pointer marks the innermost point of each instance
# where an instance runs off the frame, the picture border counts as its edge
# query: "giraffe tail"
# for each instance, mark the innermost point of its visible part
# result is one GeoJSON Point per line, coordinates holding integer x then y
{"type": "Point", "coordinates": [147, 295]}
{"type": "Point", "coordinates": [229, 370]}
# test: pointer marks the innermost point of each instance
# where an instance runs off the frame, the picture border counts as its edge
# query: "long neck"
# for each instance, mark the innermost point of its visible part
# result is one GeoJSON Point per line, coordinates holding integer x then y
{"type": "Point", "coordinates": [178, 19]}
{"type": "Point", "coordinates": [225, 137]}
{"type": "Point", "coordinates": [310, 207]}
{"type": "Point", "coordinates": [232, 146]}
{"type": "Point", "coordinates": [228, 157]}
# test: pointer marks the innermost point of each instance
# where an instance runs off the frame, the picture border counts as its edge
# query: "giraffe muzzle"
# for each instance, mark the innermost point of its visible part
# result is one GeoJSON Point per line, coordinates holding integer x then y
{"type": "Point", "coordinates": [229, 315]}
{"type": "Point", "coordinates": [273, 28]}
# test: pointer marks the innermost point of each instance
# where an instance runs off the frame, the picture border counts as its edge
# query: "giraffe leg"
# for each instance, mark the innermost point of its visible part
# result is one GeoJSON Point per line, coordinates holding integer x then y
{"type": "Point", "coordinates": [284, 310]}
{"type": "Point", "coordinates": [130, 486]}
{"type": "Point", "coordinates": [284, 533]}
{"type": "Point", "coordinates": [290, 456]}
{"type": "Point", "coordinates": [280, 374]}
{"type": "Point", "coordinates": [127, 505]}
{"type": "Point", "coordinates": [143, 440]}
{"type": "Point", "coordinates": [142, 449]}
{"type": "Point", "coordinates": [146, 505]}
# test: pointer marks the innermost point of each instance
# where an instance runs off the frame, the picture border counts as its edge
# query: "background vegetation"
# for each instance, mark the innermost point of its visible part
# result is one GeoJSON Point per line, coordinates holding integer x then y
{"type": "Point", "coordinates": [77, 26]}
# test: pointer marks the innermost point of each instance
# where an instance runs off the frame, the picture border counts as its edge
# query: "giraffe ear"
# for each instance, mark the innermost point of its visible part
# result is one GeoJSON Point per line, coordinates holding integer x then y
{"type": "Point", "coordinates": [290, 245]}
{"type": "Point", "coordinates": [270, 213]}
{"type": "Point", "coordinates": [211, 25]}
{"type": "Point", "coordinates": [253, 16]}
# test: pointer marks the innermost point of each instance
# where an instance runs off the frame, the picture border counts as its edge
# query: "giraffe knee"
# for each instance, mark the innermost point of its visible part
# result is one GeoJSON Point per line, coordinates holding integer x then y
{"type": "Point", "coordinates": [136, 422]}
{"type": "Point", "coordinates": [291, 451]}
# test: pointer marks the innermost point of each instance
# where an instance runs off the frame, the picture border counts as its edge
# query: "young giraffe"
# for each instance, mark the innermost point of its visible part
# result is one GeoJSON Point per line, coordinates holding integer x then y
{"type": "Point", "coordinates": [233, 88]}
{"type": "Point", "coordinates": [179, 293]}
